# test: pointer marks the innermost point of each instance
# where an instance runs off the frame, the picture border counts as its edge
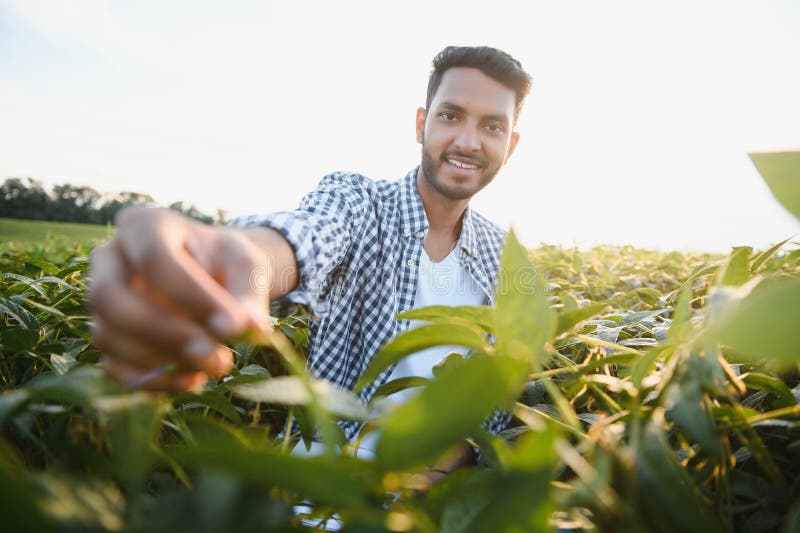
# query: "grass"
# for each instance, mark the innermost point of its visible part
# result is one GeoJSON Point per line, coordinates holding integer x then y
{"type": "Point", "coordinates": [32, 231]}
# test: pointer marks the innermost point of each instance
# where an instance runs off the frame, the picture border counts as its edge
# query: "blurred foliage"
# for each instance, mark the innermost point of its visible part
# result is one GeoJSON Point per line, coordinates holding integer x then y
{"type": "Point", "coordinates": [650, 391]}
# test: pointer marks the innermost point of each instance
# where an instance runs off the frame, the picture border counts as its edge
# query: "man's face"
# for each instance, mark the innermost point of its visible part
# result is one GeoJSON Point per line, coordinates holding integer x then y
{"type": "Point", "coordinates": [466, 134]}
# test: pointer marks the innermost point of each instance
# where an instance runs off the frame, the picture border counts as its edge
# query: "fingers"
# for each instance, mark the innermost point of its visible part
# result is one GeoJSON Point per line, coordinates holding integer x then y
{"type": "Point", "coordinates": [135, 353]}
{"type": "Point", "coordinates": [134, 328]}
{"type": "Point", "coordinates": [165, 290]}
{"type": "Point", "coordinates": [161, 378]}
{"type": "Point", "coordinates": [247, 274]}
{"type": "Point", "coordinates": [176, 258]}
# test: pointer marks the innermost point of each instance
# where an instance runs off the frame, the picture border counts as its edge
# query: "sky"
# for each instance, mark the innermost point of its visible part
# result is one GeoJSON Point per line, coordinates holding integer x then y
{"type": "Point", "coordinates": [636, 132]}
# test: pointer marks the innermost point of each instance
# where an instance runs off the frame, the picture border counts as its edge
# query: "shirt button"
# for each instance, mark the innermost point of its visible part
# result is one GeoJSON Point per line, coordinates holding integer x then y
{"type": "Point", "coordinates": [411, 263]}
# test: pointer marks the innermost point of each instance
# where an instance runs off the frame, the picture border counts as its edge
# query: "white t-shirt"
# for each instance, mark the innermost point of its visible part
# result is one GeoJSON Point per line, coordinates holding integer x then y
{"type": "Point", "coordinates": [444, 283]}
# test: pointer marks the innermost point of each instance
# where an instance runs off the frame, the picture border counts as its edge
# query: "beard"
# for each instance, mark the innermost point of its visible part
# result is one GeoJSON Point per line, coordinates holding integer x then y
{"type": "Point", "coordinates": [453, 191]}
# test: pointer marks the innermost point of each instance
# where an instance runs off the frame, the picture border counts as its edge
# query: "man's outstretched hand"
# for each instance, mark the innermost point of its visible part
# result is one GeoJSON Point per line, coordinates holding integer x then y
{"type": "Point", "coordinates": [166, 291]}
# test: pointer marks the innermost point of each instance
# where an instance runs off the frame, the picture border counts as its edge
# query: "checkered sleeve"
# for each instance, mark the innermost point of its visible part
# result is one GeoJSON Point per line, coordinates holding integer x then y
{"type": "Point", "coordinates": [497, 422]}
{"type": "Point", "coordinates": [320, 232]}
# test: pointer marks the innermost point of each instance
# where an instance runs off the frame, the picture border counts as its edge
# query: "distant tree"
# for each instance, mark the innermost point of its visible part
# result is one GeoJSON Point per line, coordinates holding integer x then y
{"type": "Point", "coordinates": [75, 203]}
{"type": "Point", "coordinates": [192, 212]}
{"type": "Point", "coordinates": [78, 203]}
{"type": "Point", "coordinates": [222, 218]}
{"type": "Point", "coordinates": [21, 200]}
{"type": "Point", "coordinates": [115, 203]}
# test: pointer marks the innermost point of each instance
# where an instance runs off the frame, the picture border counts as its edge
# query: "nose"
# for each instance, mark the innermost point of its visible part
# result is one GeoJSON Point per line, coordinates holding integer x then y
{"type": "Point", "coordinates": [468, 139]}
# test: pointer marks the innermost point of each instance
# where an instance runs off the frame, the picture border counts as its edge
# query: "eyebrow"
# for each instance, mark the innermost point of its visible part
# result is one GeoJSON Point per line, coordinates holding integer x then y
{"type": "Point", "coordinates": [455, 107]}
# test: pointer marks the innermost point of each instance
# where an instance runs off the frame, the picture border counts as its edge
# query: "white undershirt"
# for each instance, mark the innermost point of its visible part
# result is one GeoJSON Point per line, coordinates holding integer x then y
{"type": "Point", "coordinates": [444, 283]}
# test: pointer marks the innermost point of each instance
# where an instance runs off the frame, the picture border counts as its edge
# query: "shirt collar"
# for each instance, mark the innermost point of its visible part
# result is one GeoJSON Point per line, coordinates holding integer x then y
{"type": "Point", "coordinates": [414, 220]}
{"type": "Point", "coordinates": [412, 212]}
{"type": "Point", "coordinates": [467, 239]}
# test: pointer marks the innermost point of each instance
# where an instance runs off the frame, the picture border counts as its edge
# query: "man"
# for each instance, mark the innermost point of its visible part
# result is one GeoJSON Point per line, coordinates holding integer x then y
{"type": "Point", "coordinates": [166, 291]}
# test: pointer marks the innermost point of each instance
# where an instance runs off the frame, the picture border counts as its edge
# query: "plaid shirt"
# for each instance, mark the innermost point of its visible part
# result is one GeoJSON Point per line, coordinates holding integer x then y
{"type": "Point", "coordinates": [358, 244]}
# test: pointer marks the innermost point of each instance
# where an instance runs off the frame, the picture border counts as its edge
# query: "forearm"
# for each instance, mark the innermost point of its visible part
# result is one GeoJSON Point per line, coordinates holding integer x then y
{"type": "Point", "coordinates": [460, 456]}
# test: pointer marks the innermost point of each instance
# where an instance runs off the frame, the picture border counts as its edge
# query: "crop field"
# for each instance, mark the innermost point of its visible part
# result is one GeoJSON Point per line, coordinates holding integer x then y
{"type": "Point", "coordinates": [650, 391]}
{"type": "Point", "coordinates": [31, 231]}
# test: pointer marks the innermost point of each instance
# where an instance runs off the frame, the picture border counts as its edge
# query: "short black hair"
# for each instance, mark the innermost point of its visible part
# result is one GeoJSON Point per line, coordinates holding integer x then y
{"type": "Point", "coordinates": [490, 61]}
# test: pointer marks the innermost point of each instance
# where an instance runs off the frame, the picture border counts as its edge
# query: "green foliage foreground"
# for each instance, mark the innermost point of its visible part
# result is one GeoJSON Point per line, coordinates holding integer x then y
{"type": "Point", "coordinates": [650, 391]}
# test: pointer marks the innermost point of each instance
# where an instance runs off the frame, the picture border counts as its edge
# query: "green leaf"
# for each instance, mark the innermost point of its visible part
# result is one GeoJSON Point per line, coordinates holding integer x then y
{"type": "Point", "coordinates": [689, 408]}
{"type": "Point", "coordinates": [85, 504]}
{"type": "Point", "coordinates": [535, 392]}
{"type": "Point", "coordinates": [668, 492]}
{"type": "Point", "coordinates": [447, 362]}
{"type": "Point", "coordinates": [534, 451]}
{"type": "Point", "coordinates": [46, 308]}
{"type": "Point", "coordinates": [17, 502]}
{"type": "Point", "coordinates": [399, 384]}
{"type": "Point", "coordinates": [514, 501]}
{"type": "Point", "coordinates": [322, 480]}
{"type": "Point", "coordinates": [681, 325]}
{"type": "Point", "coordinates": [638, 317]}
{"type": "Point", "coordinates": [290, 390]}
{"type": "Point", "coordinates": [454, 404]}
{"type": "Point", "coordinates": [522, 502]}
{"type": "Point", "coordinates": [569, 319]}
{"type": "Point", "coordinates": [212, 399]}
{"type": "Point", "coordinates": [644, 365]}
{"type": "Point", "coordinates": [459, 513]}
{"type": "Point", "coordinates": [24, 317]}
{"type": "Point", "coordinates": [25, 280]}
{"type": "Point", "coordinates": [417, 339]}
{"type": "Point", "coordinates": [11, 402]}
{"type": "Point", "coordinates": [47, 268]}
{"type": "Point", "coordinates": [648, 295]}
{"type": "Point", "coordinates": [78, 386]}
{"type": "Point", "coordinates": [133, 438]}
{"type": "Point", "coordinates": [698, 273]}
{"type": "Point", "coordinates": [764, 256]}
{"type": "Point", "coordinates": [254, 370]}
{"type": "Point", "coordinates": [781, 171]}
{"type": "Point", "coordinates": [763, 324]}
{"type": "Point", "coordinates": [735, 270]}
{"type": "Point", "coordinates": [52, 279]}
{"type": "Point", "coordinates": [772, 384]}
{"type": "Point", "coordinates": [525, 323]}
{"type": "Point", "coordinates": [747, 435]}
{"type": "Point", "coordinates": [62, 363]}
{"type": "Point", "coordinates": [18, 339]}
{"type": "Point", "coordinates": [481, 316]}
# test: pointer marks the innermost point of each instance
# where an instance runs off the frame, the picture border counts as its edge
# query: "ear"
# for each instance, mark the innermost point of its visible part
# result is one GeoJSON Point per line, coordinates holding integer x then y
{"type": "Point", "coordinates": [513, 144]}
{"type": "Point", "coordinates": [421, 114]}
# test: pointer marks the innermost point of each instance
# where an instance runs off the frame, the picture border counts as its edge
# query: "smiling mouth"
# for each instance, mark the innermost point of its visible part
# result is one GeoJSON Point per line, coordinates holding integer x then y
{"type": "Point", "coordinates": [461, 164]}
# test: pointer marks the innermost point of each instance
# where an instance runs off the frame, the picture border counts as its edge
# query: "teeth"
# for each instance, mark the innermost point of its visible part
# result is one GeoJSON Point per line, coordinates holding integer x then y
{"type": "Point", "coordinates": [459, 164]}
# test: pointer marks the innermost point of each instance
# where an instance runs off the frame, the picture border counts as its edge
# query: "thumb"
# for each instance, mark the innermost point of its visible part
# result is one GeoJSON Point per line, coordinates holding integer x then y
{"type": "Point", "coordinates": [246, 272]}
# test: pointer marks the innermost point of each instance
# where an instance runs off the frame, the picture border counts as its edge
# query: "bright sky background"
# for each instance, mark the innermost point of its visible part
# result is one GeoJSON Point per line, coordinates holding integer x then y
{"type": "Point", "coordinates": [636, 131]}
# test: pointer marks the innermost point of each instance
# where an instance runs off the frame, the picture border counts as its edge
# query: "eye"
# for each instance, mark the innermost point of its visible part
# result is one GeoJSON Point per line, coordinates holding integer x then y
{"type": "Point", "coordinates": [447, 116]}
{"type": "Point", "coordinates": [495, 128]}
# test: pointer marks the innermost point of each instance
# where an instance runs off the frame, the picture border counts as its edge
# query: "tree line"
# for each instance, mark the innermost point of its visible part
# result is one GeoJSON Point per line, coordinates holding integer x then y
{"type": "Point", "coordinates": [29, 199]}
